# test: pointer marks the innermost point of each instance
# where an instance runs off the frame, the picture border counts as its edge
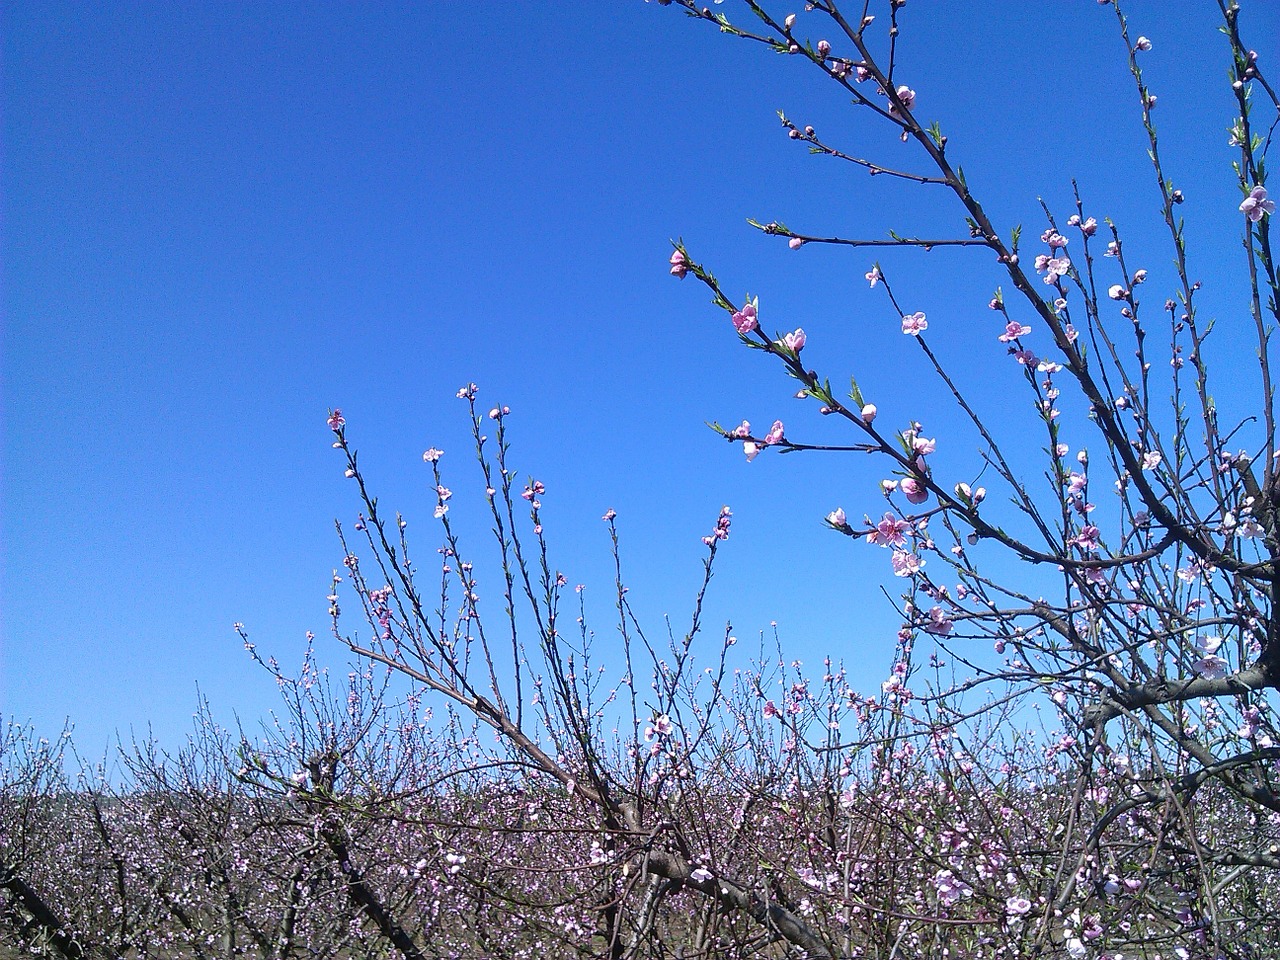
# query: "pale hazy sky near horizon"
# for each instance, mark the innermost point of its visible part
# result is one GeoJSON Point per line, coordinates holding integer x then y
{"type": "Point", "coordinates": [221, 220]}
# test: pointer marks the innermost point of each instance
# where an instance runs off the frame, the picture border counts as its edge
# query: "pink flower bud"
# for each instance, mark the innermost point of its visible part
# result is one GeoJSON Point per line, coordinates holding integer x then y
{"type": "Point", "coordinates": [745, 320]}
{"type": "Point", "coordinates": [795, 243]}
{"type": "Point", "coordinates": [914, 490]}
{"type": "Point", "coordinates": [795, 341]}
{"type": "Point", "coordinates": [824, 48]}
{"type": "Point", "coordinates": [679, 265]}
{"type": "Point", "coordinates": [868, 413]}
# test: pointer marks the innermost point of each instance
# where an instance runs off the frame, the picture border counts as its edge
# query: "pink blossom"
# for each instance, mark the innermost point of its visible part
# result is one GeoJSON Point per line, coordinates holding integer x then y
{"type": "Point", "coordinates": [938, 624]}
{"type": "Point", "coordinates": [921, 446]}
{"type": "Point", "coordinates": [1211, 667]}
{"type": "Point", "coordinates": [1256, 204]}
{"type": "Point", "coordinates": [868, 412]}
{"type": "Point", "coordinates": [1250, 529]}
{"type": "Point", "coordinates": [336, 420]}
{"type": "Point", "coordinates": [950, 887]}
{"type": "Point", "coordinates": [775, 433]}
{"type": "Point", "coordinates": [467, 392]}
{"type": "Point", "coordinates": [1117, 292]}
{"type": "Point", "coordinates": [905, 564]}
{"type": "Point", "coordinates": [1209, 644]}
{"type": "Point", "coordinates": [743, 430]}
{"type": "Point", "coordinates": [1017, 906]}
{"type": "Point", "coordinates": [1087, 540]}
{"type": "Point", "coordinates": [432, 455]}
{"type": "Point", "coordinates": [745, 320]}
{"type": "Point", "coordinates": [770, 710]}
{"type": "Point", "coordinates": [874, 275]}
{"type": "Point", "coordinates": [915, 491]}
{"type": "Point", "coordinates": [824, 48]}
{"type": "Point", "coordinates": [914, 324]}
{"type": "Point", "coordinates": [1056, 267]}
{"type": "Point", "coordinates": [795, 243]}
{"type": "Point", "coordinates": [889, 532]}
{"type": "Point", "coordinates": [907, 96]}
{"type": "Point", "coordinates": [838, 518]}
{"type": "Point", "coordinates": [1143, 44]}
{"type": "Point", "coordinates": [1013, 330]}
{"type": "Point", "coordinates": [1151, 460]}
{"type": "Point", "coordinates": [751, 449]}
{"type": "Point", "coordinates": [795, 341]}
{"type": "Point", "coordinates": [609, 514]}
{"type": "Point", "coordinates": [679, 264]}
{"type": "Point", "coordinates": [1089, 227]}
{"type": "Point", "coordinates": [663, 725]}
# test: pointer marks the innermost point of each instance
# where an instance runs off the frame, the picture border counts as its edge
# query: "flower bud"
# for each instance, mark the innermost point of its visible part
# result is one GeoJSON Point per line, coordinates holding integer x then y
{"type": "Point", "coordinates": [914, 490]}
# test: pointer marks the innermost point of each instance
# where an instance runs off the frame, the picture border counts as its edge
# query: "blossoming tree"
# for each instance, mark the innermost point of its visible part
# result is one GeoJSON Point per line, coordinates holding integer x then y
{"type": "Point", "coordinates": [1074, 752]}
{"type": "Point", "coordinates": [1156, 638]}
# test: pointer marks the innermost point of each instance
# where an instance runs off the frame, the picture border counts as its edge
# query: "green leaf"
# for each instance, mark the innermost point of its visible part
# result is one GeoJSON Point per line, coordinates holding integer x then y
{"type": "Point", "coordinates": [855, 393]}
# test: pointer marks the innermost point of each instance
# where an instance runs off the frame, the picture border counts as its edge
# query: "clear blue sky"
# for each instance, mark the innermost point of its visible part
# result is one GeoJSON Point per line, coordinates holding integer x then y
{"type": "Point", "coordinates": [222, 219]}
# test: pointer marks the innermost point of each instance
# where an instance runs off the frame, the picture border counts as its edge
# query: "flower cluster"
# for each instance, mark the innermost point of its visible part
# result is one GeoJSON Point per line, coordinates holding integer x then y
{"type": "Point", "coordinates": [721, 531]}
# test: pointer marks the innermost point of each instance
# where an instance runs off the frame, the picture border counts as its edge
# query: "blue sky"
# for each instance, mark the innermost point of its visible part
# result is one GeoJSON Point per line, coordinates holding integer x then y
{"type": "Point", "coordinates": [222, 219]}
